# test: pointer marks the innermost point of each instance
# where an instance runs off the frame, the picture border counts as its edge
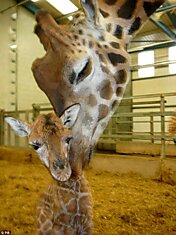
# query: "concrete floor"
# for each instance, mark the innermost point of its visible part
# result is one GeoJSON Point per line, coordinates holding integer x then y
{"type": "Point", "coordinates": [146, 166]}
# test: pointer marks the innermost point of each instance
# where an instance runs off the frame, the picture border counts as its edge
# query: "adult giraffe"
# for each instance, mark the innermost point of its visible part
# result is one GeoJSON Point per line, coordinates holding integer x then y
{"type": "Point", "coordinates": [87, 62]}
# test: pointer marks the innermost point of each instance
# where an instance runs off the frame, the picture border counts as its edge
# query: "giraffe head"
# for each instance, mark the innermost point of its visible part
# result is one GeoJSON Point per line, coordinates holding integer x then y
{"type": "Point", "coordinates": [79, 65]}
{"type": "Point", "coordinates": [50, 137]}
{"type": "Point", "coordinates": [87, 62]}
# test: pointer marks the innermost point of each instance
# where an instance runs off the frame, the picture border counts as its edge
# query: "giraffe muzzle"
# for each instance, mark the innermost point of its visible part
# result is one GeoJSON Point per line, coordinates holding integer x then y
{"type": "Point", "coordinates": [60, 170]}
{"type": "Point", "coordinates": [59, 163]}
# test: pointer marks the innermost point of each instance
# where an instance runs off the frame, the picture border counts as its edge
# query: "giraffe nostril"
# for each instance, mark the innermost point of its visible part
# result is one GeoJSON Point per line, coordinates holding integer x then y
{"type": "Point", "coordinates": [59, 163]}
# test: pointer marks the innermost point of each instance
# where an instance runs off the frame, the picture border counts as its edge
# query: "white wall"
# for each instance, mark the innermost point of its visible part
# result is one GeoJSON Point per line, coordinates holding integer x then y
{"type": "Point", "coordinates": [156, 85]}
{"type": "Point", "coordinates": [4, 53]}
{"type": "Point", "coordinates": [19, 87]}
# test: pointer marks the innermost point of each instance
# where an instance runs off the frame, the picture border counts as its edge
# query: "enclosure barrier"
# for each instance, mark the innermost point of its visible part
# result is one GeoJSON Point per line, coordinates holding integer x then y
{"type": "Point", "coordinates": [146, 121]}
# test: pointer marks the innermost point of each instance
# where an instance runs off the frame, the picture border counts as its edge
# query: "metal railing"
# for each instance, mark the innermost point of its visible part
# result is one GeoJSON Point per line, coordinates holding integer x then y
{"type": "Point", "coordinates": [7, 136]}
{"type": "Point", "coordinates": [146, 121]}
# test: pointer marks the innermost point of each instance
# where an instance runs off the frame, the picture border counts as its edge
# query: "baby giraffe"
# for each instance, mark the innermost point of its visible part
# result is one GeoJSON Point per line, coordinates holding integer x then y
{"type": "Point", "coordinates": [66, 207]}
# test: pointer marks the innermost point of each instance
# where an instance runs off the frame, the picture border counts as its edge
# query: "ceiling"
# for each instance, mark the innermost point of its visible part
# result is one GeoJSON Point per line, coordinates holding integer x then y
{"type": "Point", "coordinates": [159, 31]}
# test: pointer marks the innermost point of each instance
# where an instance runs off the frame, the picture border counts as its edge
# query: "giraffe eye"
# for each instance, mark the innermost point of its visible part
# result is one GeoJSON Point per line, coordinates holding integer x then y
{"type": "Point", "coordinates": [36, 146]}
{"type": "Point", "coordinates": [85, 71]}
{"type": "Point", "coordinates": [68, 139]}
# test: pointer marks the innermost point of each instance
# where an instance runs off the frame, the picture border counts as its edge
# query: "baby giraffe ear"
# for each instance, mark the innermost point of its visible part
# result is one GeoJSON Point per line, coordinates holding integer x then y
{"type": "Point", "coordinates": [20, 128]}
{"type": "Point", "coordinates": [91, 10]}
{"type": "Point", "coordinates": [70, 115]}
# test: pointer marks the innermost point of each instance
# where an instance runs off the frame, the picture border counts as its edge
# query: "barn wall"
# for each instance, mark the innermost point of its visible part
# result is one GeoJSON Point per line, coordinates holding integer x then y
{"type": "Point", "coordinates": [163, 83]}
{"type": "Point", "coordinates": [18, 88]}
{"type": "Point", "coordinates": [158, 85]}
{"type": "Point", "coordinates": [29, 49]}
{"type": "Point", "coordinates": [4, 53]}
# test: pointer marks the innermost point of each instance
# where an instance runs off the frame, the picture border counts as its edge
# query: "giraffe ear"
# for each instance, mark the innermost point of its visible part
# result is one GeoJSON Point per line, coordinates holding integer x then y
{"type": "Point", "coordinates": [91, 10]}
{"type": "Point", "coordinates": [20, 128]}
{"type": "Point", "coordinates": [70, 115]}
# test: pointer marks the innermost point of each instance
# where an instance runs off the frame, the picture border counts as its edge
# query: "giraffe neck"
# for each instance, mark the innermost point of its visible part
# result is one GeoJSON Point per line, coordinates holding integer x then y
{"type": "Point", "coordinates": [70, 205]}
{"type": "Point", "coordinates": [124, 18]}
{"type": "Point", "coordinates": [111, 56]}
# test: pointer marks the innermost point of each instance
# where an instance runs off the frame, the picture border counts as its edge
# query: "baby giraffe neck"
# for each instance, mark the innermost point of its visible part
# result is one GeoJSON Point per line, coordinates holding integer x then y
{"type": "Point", "coordinates": [67, 208]}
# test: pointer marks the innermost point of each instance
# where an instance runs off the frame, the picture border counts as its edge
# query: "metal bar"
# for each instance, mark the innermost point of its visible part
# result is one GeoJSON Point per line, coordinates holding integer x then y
{"type": "Point", "coordinates": [158, 45]}
{"type": "Point", "coordinates": [170, 14]}
{"type": "Point", "coordinates": [135, 41]}
{"type": "Point", "coordinates": [147, 107]}
{"type": "Point", "coordinates": [152, 128]}
{"type": "Point", "coordinates": [154, 77]}
{"type": "Point", "coordinates": [146, 114]}
{"type": "Point", "coordinates": [149, 96]}
{"type": "Point", "coordinates": [135, 67]}
{"type": "Point", "coordinates": [9, 136]}
{"type": "Point", "coordinates": [146, 102]}
{"type": "Point", "coordinates": [1, 127]}
{"type": "Point", "coordinates": [163, 150]}
{"type": "Point", "coordinates": [130, 122]}
{"type": "Point", "coordinates": [167, 8]}
{"type": "Point", "coordinates": [163, 27]}
{"type": "Point", "coordinates": [139, 137]}
{"type": "Point", "coordinates": [31, 7]}
{"type": "Point", "coordinates": [14, 5]}
{"type": "Point", "coordinates": [166, 106]}
{"type": "Point", "coordinates": [61, 18]}
{"type": "Point", "coordinates": [36, 111]}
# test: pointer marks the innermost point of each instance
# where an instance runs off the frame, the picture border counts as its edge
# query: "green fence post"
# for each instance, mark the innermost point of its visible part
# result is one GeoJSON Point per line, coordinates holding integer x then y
{"type": "Point", "coordinates": [163, 140]}
{"type": "Point", "coordinates": [36, 111]}
{"type": "Point", "coordinates": [1, 127]}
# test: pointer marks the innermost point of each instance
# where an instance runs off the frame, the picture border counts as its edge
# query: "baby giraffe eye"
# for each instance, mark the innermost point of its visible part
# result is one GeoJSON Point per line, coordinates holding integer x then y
{"type": "Point", "coordinates": [68, 139]}
{"type": "Point", "coordinates": [36, 146]}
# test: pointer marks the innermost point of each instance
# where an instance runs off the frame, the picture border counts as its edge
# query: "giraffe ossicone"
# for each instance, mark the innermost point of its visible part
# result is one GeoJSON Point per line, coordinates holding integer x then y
{"type": "Point", "coordinates": [66, 207]}
{"type": "Point", "coordinates": [87, 62]}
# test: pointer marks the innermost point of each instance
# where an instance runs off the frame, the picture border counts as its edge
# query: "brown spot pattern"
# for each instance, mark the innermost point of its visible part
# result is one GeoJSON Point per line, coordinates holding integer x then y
{"type": "Point", "coordinates": [103, 111]}
{"type": "Point", "coordinates": [127, 9]}
{"type": "Point", "coordinates": [90, 44]}
{"type": "Point", "coordinates": [119, 91]}
{"type": "Point", "coordinates": [115, 45]}
{"type": "Point", "coordinates": [92, 101]}
{"type": "Point", "coordinates": [118, 32]}
{"type": "Point", "coordinates": [116, 58]}
{"type": "Point", "coordinates": [114, 104]}
{"type": "Point", "coordinates": [106, 91]}
{"type": "Point", "coordinates": [110, 2]}
{"type": "Point", "coordinates": [135, 26]}
{"type": "Point", "coordinates": [150, 7]}
{"type": "Point", "coordinates": [121, 77]}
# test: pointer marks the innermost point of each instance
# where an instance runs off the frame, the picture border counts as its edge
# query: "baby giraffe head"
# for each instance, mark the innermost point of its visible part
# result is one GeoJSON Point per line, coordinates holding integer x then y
{"type": "Point", "coordinates": [50, 137]}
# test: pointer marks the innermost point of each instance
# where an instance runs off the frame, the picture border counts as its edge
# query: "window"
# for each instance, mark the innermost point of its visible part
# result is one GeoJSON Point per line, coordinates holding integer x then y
{"type": "Point", "coordinates": [172, 57]}
{"type": "Point", "coordinates": [146, 58]}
